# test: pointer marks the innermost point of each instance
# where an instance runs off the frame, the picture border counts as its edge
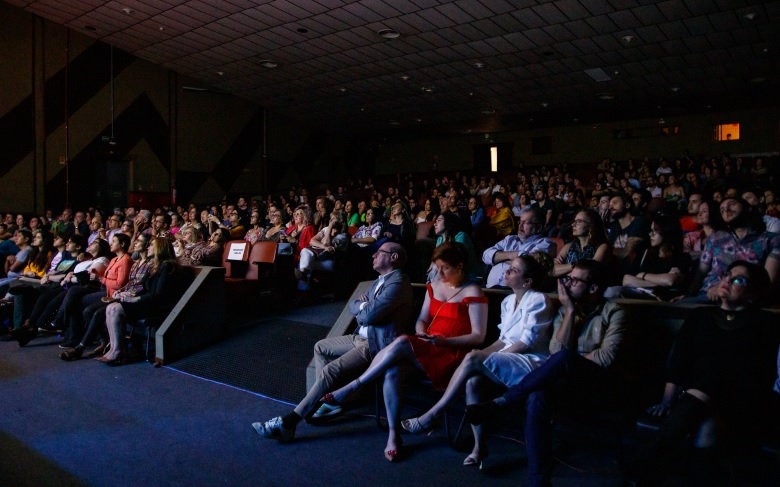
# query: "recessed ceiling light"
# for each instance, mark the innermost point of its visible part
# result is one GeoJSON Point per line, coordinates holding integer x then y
{"type": "Point", "coordinates": [90, 28]}
{"type": "Point", "coordinates": [575, 120]}
{"type": "Point", "coordinates": [418, 120]}
{"type": "Point", "coordinates": [427, 89]}
{"type": "Point", "coordinates": [128, 11]}
{"type": "Point", "coordinates": [388, 34]}
{"type": "Point", "coordinates": [161, 28]}
{"type": "Point", "coordinates": [661, 121]}
{"type": "Point", "coordinates": [404, 77]}
{"type": "Point", "coordinates": [220, 73]}
{"type": "Point", "coordinates": [627, 39]}
{"type": "Point", "coordinates": [479, 65]}
{"type": "Point", "coordinates": [675, 89]}
{"type": "Point", "coordinates": [544, 104]}
{"type": "Point", "coordinates": [394, 123]}
{"type": "Point", "coordinates": [750, 15]}
{"type": "Point", "coordinates": [488, 111]}
{"type": "Point", "coordinates": [606, 96]}
{"type": "Point", "coordinates": [598, 74]}
{"type": "Point", "coordinates": [343, 90]}
{"type": "Point", "coordinates": [267, 63]}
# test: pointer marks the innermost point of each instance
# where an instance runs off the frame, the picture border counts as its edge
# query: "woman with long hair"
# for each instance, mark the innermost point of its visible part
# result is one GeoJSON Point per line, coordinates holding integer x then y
{"type": "Point", "coordinates": [502, 220]}
{"type": "Point", "coordinates": [590, 242]}
{"type": "Point", "coordinates": [661, 267]}
{"type": "Point", "coordinates": [428, 212]}
{"type": "Point", "coordinates": [448, 228]}
{"type": "Point", "coordinates": [452, 321]}
{"type": "Point", "coordinates": [300, 233]}
{"type": "Point", "coordinates": [399, 227]}
{"type": "Point", "coordinates": [709, 221]}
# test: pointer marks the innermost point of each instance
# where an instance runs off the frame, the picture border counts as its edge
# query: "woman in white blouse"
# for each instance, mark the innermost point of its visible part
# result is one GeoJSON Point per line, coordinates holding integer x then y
{"type": "Point", "coordinates": [523, 344]}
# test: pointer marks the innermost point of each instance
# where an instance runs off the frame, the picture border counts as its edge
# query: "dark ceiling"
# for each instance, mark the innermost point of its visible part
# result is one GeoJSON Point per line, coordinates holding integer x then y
{"type": "Point", "coordinates": [467, 66]}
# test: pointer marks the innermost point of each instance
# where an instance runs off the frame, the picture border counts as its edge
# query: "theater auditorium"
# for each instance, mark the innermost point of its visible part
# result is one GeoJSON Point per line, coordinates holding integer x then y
{"type": "Point", "coordinates": [408, 242]}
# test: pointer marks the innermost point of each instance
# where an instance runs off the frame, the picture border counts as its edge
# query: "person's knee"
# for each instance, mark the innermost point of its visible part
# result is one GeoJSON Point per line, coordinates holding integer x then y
{"type": "Point", "coordinates": [536, 404]}
{"type": "Point", "coordinates": [113, 311]}
{"type": "Point", "coordinates": [473, 389]}
{"type": "Point", "coordinates": [472, 359]}
{"type": "Point", "coordinates": [320, 347]}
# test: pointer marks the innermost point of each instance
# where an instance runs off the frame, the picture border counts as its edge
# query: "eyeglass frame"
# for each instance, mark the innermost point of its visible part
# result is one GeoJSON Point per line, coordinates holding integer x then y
{"type": "Point", "coordinates": [571, 280]}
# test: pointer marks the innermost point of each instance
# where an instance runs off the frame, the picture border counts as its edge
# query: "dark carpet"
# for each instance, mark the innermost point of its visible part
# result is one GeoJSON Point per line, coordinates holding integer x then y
{"type": "Point", "coordinates": [268, 358]}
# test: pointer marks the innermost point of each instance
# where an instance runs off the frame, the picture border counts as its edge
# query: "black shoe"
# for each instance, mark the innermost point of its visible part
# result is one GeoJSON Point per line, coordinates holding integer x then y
{"type": "Point", "coordinates": [72, 353]}
{"type": "Point", "coordinates": [24, 335]}
{"type": "Point", "coordinates": [50, 327]}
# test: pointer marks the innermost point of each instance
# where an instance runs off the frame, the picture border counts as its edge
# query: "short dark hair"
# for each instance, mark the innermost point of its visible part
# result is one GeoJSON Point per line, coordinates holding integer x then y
{"type": "Point", "coordinates": [759, 283]}
{"type": "Point", "coordinates": [596, 271]}
{"type": "Point", "coordinates": [124, 240]}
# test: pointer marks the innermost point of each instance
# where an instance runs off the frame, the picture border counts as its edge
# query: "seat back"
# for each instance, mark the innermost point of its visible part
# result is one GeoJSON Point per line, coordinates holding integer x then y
{"type": "Point", "coordinates": [262, 258]}
{"type": "Point", "coordinates": [559, 243]}
{"type": "Point", "coordinates": [235, 258]}
{"type": "Point", "coordinates": [424, 230]}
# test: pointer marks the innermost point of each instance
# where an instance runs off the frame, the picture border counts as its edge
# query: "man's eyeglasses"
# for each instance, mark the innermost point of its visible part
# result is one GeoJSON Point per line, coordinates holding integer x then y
{"type": "Point", "coordinates": [573, 281]}
{"type": "Point", "coordinates": [380, 251]}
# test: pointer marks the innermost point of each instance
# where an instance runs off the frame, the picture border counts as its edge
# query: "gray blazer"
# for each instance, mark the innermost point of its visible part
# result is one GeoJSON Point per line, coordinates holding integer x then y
{"type": "Point", "coordinates": [387, 313]}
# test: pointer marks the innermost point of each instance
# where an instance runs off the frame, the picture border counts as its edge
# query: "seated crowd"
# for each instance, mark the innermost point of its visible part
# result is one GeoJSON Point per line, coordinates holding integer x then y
{"type": "Point", "coordinates": [677, 232]}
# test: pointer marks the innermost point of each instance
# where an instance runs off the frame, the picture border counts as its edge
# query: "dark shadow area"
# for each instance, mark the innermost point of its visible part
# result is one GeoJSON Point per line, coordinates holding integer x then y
{"type": "Point", "coordinates": [21, 466]}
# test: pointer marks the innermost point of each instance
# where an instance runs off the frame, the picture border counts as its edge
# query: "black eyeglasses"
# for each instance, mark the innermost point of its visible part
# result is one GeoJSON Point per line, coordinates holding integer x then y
{"type": "Point", "coordinates": [572, 281]}
{"type": "Point", "coordinates": [384, 252]}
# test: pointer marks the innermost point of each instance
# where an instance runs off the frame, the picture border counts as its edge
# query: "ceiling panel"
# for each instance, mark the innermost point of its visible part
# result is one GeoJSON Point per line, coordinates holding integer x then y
{"type": "Point", "coordinates": [530, 49]}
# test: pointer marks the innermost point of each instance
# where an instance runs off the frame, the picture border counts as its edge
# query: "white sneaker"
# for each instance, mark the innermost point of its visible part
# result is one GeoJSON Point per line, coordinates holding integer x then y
{"type": "Point", "coordinates": [273, 428]}
{"type": "Point", "coordinates": [327, 411]}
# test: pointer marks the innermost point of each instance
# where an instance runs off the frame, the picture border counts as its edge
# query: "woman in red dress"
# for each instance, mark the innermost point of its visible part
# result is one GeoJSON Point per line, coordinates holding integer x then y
{"type": "Point", "coordinates": [452, 321]}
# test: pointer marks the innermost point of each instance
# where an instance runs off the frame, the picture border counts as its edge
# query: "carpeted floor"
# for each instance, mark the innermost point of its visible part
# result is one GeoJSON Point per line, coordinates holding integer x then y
{"type": "Point", "coordinates": [269, 357]}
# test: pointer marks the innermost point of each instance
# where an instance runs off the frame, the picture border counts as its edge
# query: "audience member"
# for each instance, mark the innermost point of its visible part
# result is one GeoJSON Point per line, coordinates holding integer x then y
{"type": "Point", "coordinates": [527, 240]}
{"type": "Point", "coordinates": [381, 315]}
